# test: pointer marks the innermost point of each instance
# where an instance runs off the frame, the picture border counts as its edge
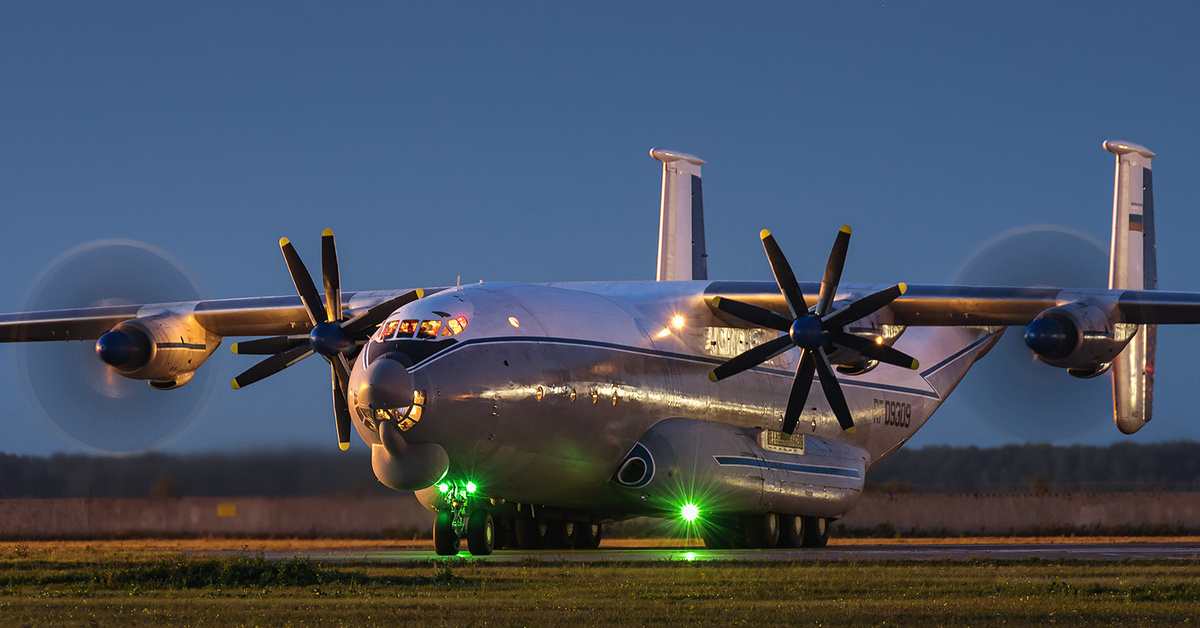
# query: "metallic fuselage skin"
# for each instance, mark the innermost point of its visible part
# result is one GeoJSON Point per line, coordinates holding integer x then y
{"type": "Point", "coordinates": [549, 387]}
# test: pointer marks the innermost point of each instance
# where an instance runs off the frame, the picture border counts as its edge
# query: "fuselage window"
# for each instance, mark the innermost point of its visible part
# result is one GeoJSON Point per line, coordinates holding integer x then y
{"type": "Point", "coordinates": [457, 325]}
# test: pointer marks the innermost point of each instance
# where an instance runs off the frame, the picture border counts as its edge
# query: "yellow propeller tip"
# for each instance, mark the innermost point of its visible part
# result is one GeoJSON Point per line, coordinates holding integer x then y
{"type": "Point", "coordinates": [764, 234]}
{"type": "Point", "coordinates": [903, 288]}
{"type": "Point", "coordinates": [234, 384]}
{"type": "Point", "coordinates": [284, 242]}
{"type": "Point", "coordinates": [420, 293]}
{"type": "Point", "coordinates": [850, 430]}
{"type": "Point", "coordinates": [712, 376]}
{"type": "Point", "coordinates": [233, 347]}
{"type": "Point", "coordinates": [915, 365]}
{"type": "Point", "coordinates": [343, 446]}
{"type": "Point", "coordinates": [845, 229]}
{"type": "Point", "coordinates": [327, 232]}
{"type": "Point", "coordinates": [716, 302]}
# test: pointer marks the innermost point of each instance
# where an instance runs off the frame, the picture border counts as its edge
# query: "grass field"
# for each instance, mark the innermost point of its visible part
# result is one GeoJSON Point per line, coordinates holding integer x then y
{"type": "Point", "coordinates": [135, 583]}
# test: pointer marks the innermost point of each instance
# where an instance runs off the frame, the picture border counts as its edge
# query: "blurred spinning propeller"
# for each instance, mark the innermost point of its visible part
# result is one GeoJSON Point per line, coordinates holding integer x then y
{"type": "Point", "coordinates": [86, 402]}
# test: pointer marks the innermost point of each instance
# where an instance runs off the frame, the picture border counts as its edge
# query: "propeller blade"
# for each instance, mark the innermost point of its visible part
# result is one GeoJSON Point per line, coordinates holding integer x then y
{"type": "Point", "coordinates": [330, 277]}
{"type": "Point", "coordinates": [341, 410]}
{"type": "Point", "coordinates": [833, 271]}
{"type": "Point", "coordinates": [833, 392]}
{"type": "Point", "coordinates": [784, 275]}
{"type": "Point", "coordinates": [801, 384]}
{"type": "Point", "coordinates": [271, 366]}
{"type": "Point", "coordinates": [341, 371]}
{"type": "Point", "coordinates": [863, 307]}
{"type": "Point", "coordinates": [752, 314]}
{"type": "Point", "coordinates": [267, 346]}
{"type": "Point", "coordinates": [369, 320]}
{"type": "Point", "coordinates": [751, 358]}
{"type": "Point", "coordinates": [303, 282]}
{"type": "Point", "coordinates": [876, 351]}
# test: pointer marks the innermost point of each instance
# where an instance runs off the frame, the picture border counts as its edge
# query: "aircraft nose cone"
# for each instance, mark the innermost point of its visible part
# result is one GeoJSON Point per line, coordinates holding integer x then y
{"type": "Point", "coordinates": [387, 383]}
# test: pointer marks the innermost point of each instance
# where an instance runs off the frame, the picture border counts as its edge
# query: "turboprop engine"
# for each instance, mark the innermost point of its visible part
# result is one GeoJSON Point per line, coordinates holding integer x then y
{"type": "Point", "coordinates": [1082, 338]}
{"type": "Point", "coordinates": [164, 349]}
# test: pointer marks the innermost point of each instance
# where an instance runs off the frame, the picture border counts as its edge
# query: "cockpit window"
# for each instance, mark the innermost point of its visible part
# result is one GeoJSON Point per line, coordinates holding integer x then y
{"type": "Point", "coordinates": [429, 329]}
{"type": "Point", "coordinates": [408, 328]}
{"type": "Point", "coordinates": [388, 329]}
{"type": "Point", "coordinates": [458, 324]}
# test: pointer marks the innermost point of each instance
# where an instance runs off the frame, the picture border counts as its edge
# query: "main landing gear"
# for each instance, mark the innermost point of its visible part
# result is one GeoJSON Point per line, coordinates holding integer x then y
{"type": "Point", "coordinates": [765, 532]}
{"type": "Point", "coordinates": [486, 532]}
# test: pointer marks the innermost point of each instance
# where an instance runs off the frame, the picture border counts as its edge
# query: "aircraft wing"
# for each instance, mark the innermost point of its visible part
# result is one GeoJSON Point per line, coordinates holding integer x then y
{"type": "Point", "coordinates": [936, 305]}
{"type": "Point", "coordinates": [252, 316]}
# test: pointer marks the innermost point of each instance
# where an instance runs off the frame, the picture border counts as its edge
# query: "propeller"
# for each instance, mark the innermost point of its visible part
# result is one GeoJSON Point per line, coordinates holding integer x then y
{"type": "Point", "coordinates": [84, 400]}
{"type": "Point", "coordinates": [333, 336]}
{"type": "Point", "coordinates": [815, 332]}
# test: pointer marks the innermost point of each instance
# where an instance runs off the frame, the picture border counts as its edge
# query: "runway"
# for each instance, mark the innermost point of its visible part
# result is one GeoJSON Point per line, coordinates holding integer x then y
{"type": "Point", "coordinates": [965, 551]}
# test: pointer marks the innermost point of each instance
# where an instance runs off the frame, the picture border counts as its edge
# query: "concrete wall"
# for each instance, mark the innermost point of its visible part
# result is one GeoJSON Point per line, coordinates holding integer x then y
{"type": "Point", "coordinates": [102, 518]}
{"type": "Point", "coordinates": [400, 515]}
{"type": "Point", "coordinates": [1007, 514]}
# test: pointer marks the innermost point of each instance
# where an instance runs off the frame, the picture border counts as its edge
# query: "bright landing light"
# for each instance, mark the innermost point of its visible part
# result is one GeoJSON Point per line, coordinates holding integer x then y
{"type": "Point", "coordinates": [690, 512]}
{"type": "Point", "coordinates": [677, 322]}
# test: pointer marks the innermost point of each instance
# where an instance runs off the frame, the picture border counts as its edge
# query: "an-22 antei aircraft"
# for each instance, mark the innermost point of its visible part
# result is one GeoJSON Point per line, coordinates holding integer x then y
{"type": "Point", "coordinates": [530, 415]}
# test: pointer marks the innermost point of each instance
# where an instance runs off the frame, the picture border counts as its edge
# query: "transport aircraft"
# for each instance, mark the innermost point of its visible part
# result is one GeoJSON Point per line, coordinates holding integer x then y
{"type": "Point", "coordinates": [749, 412]}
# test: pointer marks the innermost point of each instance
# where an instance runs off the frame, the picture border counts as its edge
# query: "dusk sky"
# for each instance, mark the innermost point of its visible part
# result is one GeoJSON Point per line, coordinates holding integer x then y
{"type": "Point", "coordinates": [508, 141]}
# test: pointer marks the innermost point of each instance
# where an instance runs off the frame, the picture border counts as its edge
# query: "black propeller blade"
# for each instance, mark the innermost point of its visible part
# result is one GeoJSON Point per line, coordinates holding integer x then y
{"type": "Point", "coordinates": [814, 332]}
{"type": "Point", "coordinates": [331, 337]}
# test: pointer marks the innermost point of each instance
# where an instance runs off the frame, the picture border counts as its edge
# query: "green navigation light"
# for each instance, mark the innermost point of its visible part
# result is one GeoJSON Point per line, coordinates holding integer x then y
{"type": "Point", "coordinates": [471, 487]}
{"type": "Point", "coordinates": [690, 512]}
{"type": "Point", "coordinates": [444, 487]}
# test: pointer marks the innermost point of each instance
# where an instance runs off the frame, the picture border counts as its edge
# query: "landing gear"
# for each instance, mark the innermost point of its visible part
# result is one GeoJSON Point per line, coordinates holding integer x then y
{"type": "Point", "coordinates": [481, 533]}
{"type": "Point", "coordinates": [816, 532]}
{"type": "Point", "coordinates": [791, 531]}
{"type": "Point", "coordinates": [445, 537]}
{"type": "Point", "coordinates": [762, 531]}
{"type": "Point", "coordinates": [556, 534]}
{"type": "Point", "coordinates": [583, 536]}
{"type": "Point", "coordinates": [530, 533]}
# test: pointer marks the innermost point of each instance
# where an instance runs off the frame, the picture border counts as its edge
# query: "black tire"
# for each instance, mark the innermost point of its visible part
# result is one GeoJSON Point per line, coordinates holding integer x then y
{"type": "Point", "coordinates": [481, 533]}
{"type": "Point", "coordinates": [445, 539]}
{"type": "Point", "coordinates": [530, 533]}
{"type": "Point", "coordinates": [762, 531]}
{"type": "Point", "coordinates": [556, 535]}
{"type": "Point", "coordinates": [583, 536]}
{"type": "Point", "coordinates": [791, 531]}
{"type": "Point", "coordinates": [722, 533]}
{"type": "Point", "coordinates": [504, 534]}
{"type": "Point", "coordinates": [816, 532]}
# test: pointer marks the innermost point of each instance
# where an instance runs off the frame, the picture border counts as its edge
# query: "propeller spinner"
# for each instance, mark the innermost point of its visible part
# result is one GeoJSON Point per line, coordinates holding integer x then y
{"type": "Point", "coordinates": [332, 337]}
{"type": "Point", "coordinates": [815, 332]}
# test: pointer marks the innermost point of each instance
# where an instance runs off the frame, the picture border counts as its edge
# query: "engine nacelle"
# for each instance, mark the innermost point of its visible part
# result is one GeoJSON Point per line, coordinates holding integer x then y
{"type": "Point", "coordinates": [165, 349]}
{"type": "Point", "coordinates": [1079, 337]}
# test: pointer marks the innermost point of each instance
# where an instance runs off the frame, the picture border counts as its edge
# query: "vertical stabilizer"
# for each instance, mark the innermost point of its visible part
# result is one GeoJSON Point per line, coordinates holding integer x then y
{"type": "Point", "coordinates": [1133, 266]}
{"type": "Point", "coordinates": [681, 254]}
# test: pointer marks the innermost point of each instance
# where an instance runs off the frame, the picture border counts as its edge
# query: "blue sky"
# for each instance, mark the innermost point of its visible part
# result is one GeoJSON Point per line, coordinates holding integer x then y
{"type": "Point", "coordinates": [509, 141]}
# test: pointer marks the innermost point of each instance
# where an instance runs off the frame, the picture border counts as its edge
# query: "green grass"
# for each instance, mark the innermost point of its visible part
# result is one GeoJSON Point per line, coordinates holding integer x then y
{"type": "Point", "coordinates": [106, 587]}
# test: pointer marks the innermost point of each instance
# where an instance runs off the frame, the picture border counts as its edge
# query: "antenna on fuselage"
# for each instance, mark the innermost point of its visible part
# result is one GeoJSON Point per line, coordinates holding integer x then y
{"type": "Point", "coordinates": [681, 252]}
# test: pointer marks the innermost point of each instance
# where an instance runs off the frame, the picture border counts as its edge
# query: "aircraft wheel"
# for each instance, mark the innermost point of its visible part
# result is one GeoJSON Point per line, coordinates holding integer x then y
{"type": "Point", "coordinates": [556, 535]}
{"type": "Point", "coordinates": [445, 539]}
{"type": "Point", "coordinates": [481, 533]}
{"type": "Point", "coordinates": [530, 533]}
{"type": "Point", "coordinates": [583, 535]}
{"type": "Point", "coordinates": [720, 534]}
{"type": "Point", "coordinates": [816, 531]}
{"type": "Point", "coordinates": [791, 531]}
{"type": "Point", "coordinates": [762, 532]}
{"type": "Point", "coordinates": [504, 534]}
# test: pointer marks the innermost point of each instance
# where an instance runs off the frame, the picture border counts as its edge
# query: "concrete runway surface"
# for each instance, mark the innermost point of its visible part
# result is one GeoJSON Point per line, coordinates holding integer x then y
{"type": "Point", "coordinates": [1005, 551]}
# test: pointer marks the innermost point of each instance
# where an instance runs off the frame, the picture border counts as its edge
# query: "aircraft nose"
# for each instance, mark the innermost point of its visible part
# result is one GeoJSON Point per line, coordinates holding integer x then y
{"type": "Point", "coordinates": [387, 384]}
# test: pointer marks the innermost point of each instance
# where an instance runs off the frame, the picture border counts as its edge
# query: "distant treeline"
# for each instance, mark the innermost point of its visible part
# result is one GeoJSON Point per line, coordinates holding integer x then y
{"type": "Point", "coordinates": [254, 474]}
{"type": "Point", "coordinates": [1122, 467]}
{"type": "Point", "coordinates": [1012, 469]}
